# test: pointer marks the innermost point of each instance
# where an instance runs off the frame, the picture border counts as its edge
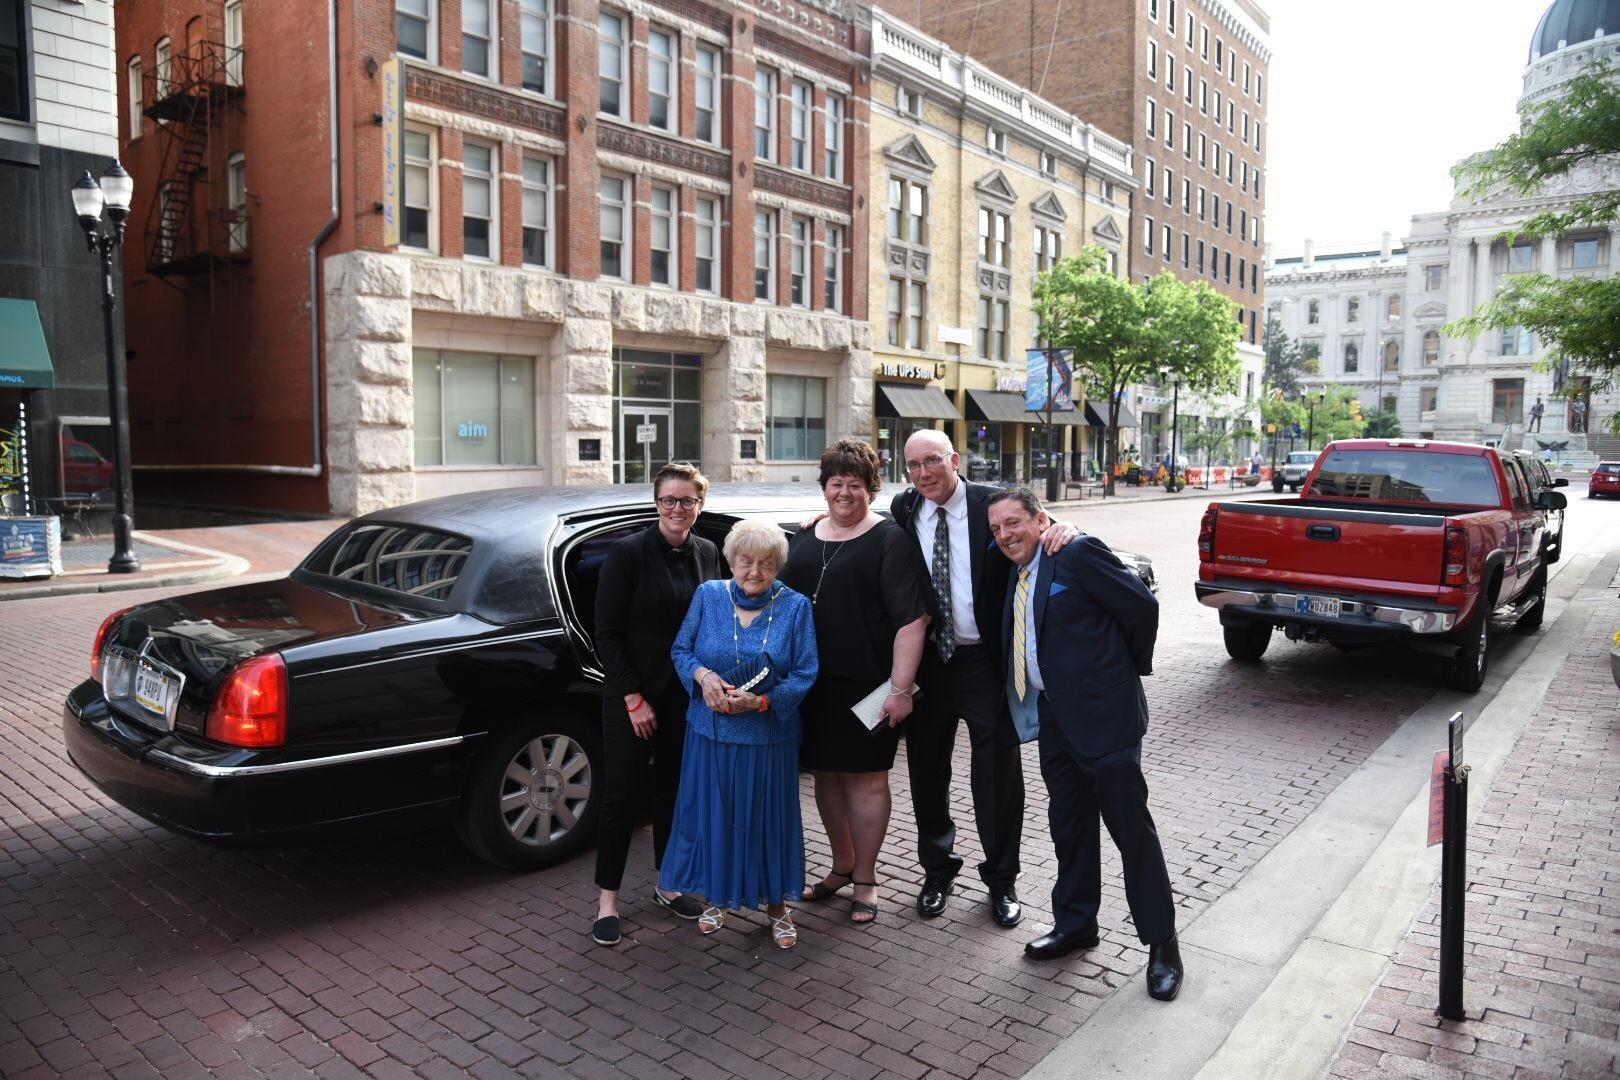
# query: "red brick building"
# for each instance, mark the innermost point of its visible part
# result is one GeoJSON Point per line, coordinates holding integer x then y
{"type": "Point", "coordinates": [625, 234]}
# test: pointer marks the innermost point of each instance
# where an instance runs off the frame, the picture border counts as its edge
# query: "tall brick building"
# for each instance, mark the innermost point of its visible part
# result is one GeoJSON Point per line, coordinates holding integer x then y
{"type": "Point", "coordinates": [613, 223]}
{"type": "Point", "coordinates": [1184, 82]}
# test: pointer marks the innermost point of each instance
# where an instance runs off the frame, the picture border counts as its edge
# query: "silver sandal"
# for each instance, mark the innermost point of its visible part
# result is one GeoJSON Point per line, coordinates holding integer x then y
{"type": "Point", "coordinates": [783, 932]}
{"type": "Point", "coordinates": [711, 920]}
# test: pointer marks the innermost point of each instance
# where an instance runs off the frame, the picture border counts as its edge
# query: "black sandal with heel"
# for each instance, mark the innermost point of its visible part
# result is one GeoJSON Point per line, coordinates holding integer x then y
{"type": "Point", "coordinates": [822, 891]}
{"type": "Point", "coordinates": [861, 907]}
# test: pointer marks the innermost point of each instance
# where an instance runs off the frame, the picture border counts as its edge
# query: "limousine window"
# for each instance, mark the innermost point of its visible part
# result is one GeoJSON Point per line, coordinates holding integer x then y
{"type": "Point", "coordinates": [404, 559]}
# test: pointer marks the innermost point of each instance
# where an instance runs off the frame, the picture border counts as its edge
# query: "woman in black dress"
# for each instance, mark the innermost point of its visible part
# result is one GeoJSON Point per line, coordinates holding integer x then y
{"type": "Point", "coordinates": [871, 615]}
{"type": "Point", "coordinates": [646, 585]}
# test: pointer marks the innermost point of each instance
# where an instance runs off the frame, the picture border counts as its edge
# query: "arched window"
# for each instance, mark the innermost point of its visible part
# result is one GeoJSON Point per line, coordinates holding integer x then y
{"type": "Point", "coordinates": [1392, 356]}
{"type": "Point", "coordinates": [1431, 348]}
{"type": "Point", "coordinates": [1352, 359]}
{"type": "Point", "coordinates": [161, 67]}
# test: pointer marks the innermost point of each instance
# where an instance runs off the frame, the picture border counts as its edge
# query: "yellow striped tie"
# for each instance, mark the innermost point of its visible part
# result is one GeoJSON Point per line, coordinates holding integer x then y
{"type": "Point", "coordinates": [1020, 642]}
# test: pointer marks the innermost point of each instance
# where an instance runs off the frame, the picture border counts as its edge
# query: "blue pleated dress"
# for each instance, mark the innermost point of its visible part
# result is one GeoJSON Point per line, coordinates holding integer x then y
{"type": "Point", "coordinates": [737, 839]}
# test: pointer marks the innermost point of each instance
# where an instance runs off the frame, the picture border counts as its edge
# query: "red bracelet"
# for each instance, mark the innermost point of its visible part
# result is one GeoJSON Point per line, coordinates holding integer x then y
{"type": "Point", "coordinates": [640, 701]}
{"type": "Point", "coordinates": [764, 703]}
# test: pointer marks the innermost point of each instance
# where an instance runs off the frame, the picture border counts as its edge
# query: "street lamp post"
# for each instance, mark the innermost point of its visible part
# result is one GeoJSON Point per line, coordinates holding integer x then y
{"type": "Point", "coordinates": [1175, 430]}
{"type": "Point", "coordinates": [113, 193]}
{"type": "Point", "coordinates": [1310, 432]}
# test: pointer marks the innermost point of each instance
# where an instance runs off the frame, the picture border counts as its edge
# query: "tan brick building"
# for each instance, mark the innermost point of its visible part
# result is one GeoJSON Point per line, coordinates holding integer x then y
{"type": "Point", "coordinates": [1184, 82]}
{"type": "Point", "coordinates": [977, 186]}
{"type": "Point", "coordinates": [582, 239]}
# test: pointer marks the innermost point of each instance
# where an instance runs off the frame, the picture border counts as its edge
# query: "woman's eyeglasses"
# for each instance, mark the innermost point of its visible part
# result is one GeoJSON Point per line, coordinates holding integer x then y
{"type": "Point", "coordinates": [670, 502]}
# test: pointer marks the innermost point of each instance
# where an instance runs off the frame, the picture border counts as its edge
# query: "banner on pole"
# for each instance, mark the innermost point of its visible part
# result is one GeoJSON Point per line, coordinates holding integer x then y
{"type": "Point", "coordinates": [1062, 380]}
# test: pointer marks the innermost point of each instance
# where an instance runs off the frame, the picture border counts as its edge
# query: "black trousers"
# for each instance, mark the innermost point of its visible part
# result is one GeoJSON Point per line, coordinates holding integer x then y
{"type": "Point", "coordinates": [634, 769]}
{"type": "Point", "coordinates": [1082, 790]}
{"type": "Point", "coordinates": [967, 688]}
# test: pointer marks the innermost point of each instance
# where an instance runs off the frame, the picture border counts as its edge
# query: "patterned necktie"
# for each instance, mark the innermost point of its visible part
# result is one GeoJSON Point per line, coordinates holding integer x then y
{"type": "Point", "coordinates": [1020, 648]}
{"type": "Point", "coordinates": [945, 629]}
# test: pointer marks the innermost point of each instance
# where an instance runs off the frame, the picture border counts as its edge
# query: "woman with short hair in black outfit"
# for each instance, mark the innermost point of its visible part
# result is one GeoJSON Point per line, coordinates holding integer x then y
{"type": "Point", "coordinates": [646, 585]}
{"type": "Point", "coordinates": [871, 616]}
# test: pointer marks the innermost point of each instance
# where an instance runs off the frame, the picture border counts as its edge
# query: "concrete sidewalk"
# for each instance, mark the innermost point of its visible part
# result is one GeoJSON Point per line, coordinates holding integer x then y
{"type": "Point", "coordinates": [1312, 964]}
{"type": "Point", "coordinates": [177, 557]}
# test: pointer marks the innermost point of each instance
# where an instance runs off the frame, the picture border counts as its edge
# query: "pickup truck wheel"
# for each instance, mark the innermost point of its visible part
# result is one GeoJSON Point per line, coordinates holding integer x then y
{"type": "Point", "coordinates": [1277, 486]}
{"type": "Point", "coordinates": [532, 797]}
{"type": "Point", "coordinates": [1530, 621]}
{"type": "Point", "coordinates": [1248, 641]}
{"type": "Point", "coordinates": [1467, 671]}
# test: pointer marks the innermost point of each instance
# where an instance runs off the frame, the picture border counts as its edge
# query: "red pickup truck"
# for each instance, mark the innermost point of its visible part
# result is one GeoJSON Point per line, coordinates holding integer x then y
{"type": "Point", "coordinates": [1422, 541]}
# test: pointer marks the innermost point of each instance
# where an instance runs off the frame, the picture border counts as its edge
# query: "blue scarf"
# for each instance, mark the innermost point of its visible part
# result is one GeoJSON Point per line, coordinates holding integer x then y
{"type": "Point", "coordinates": [752, 603]}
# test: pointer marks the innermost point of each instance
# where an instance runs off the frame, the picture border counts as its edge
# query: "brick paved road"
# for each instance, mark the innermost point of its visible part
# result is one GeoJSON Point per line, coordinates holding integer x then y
{"type": "Point", "coordinates": [128, 950]}
{"type": "Point", "coordinates": [1542, 966]}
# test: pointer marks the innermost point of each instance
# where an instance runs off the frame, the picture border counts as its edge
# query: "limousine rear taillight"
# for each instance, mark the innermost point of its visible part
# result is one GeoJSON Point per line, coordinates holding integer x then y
{"type": "Point", "coordinates": [101, 640]}
{"type": "Point", "coordinates": [250, 709]}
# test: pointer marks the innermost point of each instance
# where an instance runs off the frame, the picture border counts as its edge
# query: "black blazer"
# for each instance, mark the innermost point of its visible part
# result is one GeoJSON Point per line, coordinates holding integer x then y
{"type": "Point", "coordinates": [638, 614]}
{"type": "Point", "coordinates": [1096, 624]}
{"type": "Point", "coordinates": [990, 566]}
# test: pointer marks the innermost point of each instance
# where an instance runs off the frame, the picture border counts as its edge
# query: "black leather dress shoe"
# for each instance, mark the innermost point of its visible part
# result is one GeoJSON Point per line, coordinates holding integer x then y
{"type": "Point", "coordinates": [936, 887]}
{"type": "Point", "coordinates": [1005, 908]}
{"type": "Point", "coordinates": [1164, 971]}
{"type": "Point", "coordinates": [1057, 944]}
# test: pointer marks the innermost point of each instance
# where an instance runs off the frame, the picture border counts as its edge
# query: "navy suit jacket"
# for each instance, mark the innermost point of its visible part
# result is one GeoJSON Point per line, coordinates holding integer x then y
{"type": "Point", "coordinates": [1096, 624]}
{"type": "Point", "coordinates": [989, 567]}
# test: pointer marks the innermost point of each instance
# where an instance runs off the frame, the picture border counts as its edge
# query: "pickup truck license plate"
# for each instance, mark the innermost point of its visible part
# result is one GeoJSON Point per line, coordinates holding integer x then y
{"type": "Point", "coordinates": [1318, 605]}
{"type": "Point", "coordinates": [154, 690]}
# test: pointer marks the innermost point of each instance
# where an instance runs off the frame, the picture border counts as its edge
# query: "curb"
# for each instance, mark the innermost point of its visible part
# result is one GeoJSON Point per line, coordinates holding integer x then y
{"type": "Point", "coordinates": [229, 566]}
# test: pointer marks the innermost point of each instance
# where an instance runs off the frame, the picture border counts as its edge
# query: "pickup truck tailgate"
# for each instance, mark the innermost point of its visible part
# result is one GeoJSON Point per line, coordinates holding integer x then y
{"type": "Point", "coordinates": [1362, 550]}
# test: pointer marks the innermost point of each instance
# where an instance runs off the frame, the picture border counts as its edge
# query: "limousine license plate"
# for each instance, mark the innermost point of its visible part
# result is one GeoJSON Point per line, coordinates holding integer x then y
{"type": "Point", "coordinates": [155, 691]}
{"type": "Point", "coordinates": [1318, 605]}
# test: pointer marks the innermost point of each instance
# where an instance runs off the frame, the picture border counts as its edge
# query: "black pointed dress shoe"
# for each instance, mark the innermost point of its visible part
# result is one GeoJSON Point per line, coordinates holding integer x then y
{"type": "Point", "coordinates": [1164, 971]}
{"type": "Point", "coordinates": [1057, 944]}
{"type": "Point", "coordinates": [936, 887]}
{"type": "Point", "coordinates": [1005, 908]}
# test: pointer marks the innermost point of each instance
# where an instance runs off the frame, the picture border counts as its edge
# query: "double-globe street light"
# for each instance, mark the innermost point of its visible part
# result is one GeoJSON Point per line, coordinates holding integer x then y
{"type": "Point", "coordinates": [113, 194]}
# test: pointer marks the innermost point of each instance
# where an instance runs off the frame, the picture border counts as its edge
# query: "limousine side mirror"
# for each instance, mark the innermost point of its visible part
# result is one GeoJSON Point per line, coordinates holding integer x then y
{"type": "Point", "coordinates": [1551, 500]}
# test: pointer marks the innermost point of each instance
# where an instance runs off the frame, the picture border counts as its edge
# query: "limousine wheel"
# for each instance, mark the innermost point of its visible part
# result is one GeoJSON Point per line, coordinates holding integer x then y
{"type": "Point", "coordinates": [532, 798]}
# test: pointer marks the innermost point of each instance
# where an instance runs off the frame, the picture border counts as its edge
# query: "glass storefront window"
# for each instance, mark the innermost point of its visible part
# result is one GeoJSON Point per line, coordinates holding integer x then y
{"type": "Point", "coordinates": [983, 462]}
{"type": "Point", "coordinates": [660, 392]}
{"type": "Point", "coordinates": [473, 408]}
{"type": "Point", "coordinates": [798, 417]}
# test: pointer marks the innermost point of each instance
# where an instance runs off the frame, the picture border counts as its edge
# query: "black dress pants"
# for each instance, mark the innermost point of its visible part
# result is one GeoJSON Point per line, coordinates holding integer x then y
{"type": "Point", "coordinates": [634, 769]}
{"type": "Point", "coordinates": [967, 688]}
{"type": "Point", "coordinates": [1081, 790]}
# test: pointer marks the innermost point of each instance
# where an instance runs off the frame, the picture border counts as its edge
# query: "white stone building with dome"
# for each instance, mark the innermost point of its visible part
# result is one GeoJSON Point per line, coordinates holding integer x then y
{"type": "Point", "coordinates": [1378, 314]}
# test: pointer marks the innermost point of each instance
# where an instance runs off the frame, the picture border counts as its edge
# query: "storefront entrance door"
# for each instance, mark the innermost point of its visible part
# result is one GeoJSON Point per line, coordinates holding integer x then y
{"type": "Point", "coordinates": [639, 461]}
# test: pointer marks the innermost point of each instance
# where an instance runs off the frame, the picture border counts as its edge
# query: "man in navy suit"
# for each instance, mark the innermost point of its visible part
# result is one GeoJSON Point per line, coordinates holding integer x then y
{"type": "Point", "coordinates": [1079, 629]}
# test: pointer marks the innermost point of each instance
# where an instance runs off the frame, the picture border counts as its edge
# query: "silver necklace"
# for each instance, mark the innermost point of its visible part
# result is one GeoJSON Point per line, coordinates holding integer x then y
{"type": "Point", "coordinates": [826, 561]}
{"type": "Point", "coordinates": [736, 627]}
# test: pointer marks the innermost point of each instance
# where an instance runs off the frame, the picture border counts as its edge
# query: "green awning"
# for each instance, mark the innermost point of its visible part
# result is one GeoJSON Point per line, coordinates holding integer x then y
{"type": "Point", "coordinates": [25, 362]}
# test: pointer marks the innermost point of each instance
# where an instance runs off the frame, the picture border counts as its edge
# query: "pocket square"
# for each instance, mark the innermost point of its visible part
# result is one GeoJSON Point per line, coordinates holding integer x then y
{"type": "Point", "coordinates": [1056, 588]}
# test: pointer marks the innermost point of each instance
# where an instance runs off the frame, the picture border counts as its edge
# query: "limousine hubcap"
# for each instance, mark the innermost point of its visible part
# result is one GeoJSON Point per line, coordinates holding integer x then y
{"type": "Point", "coordinates": [547, 784]}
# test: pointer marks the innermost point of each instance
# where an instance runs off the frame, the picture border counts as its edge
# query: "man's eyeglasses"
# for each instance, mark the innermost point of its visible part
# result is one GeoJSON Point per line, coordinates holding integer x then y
{"type": "Point", "coordinates": [927, 464]}
{"type": "Point", "coordinates": [670, 502]}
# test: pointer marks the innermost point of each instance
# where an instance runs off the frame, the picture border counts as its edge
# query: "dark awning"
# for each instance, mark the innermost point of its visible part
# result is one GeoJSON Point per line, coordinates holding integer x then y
{"type": "Point", "coordinates": [915, 403]}
{"type": "Point", "coordinates": [1097, 414]}
{"type": "Point", "coordinates": [25, 362]}
{"type": "Point", "coordinates": [995, 406]}
{"type": "Point", "coordinates": [1000, 406]}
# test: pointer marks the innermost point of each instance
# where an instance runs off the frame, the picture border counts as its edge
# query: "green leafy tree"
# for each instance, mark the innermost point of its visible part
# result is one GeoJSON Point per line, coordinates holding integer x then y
{"type": "Point", "coordinates": [1338, 416]}
{"type": "Point", "coordinates": [1123, 334]}
{"type": "Point", "coordinates": [1577, 318]}
{"type": "Point", "coordinates": [1216, 437]}
{"type": "Point", "coordinates": [1382, 425]}
{"type": "Point", "coordinates": [1287, 361]}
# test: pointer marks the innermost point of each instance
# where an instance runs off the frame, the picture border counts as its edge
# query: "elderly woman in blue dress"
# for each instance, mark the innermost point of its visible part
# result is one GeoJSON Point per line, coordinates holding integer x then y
{"type": "Point", "coordinates": [747, 651]}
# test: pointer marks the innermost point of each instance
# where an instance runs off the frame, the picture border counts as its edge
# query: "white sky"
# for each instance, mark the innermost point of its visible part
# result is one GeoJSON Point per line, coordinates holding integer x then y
{"type": "Point", "coordinates": [1371, 102]}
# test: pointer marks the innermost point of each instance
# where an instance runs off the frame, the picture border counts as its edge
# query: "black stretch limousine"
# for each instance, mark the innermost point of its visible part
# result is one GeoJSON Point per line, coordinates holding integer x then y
{"type": "Point", "coordinates": [430, 660]}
